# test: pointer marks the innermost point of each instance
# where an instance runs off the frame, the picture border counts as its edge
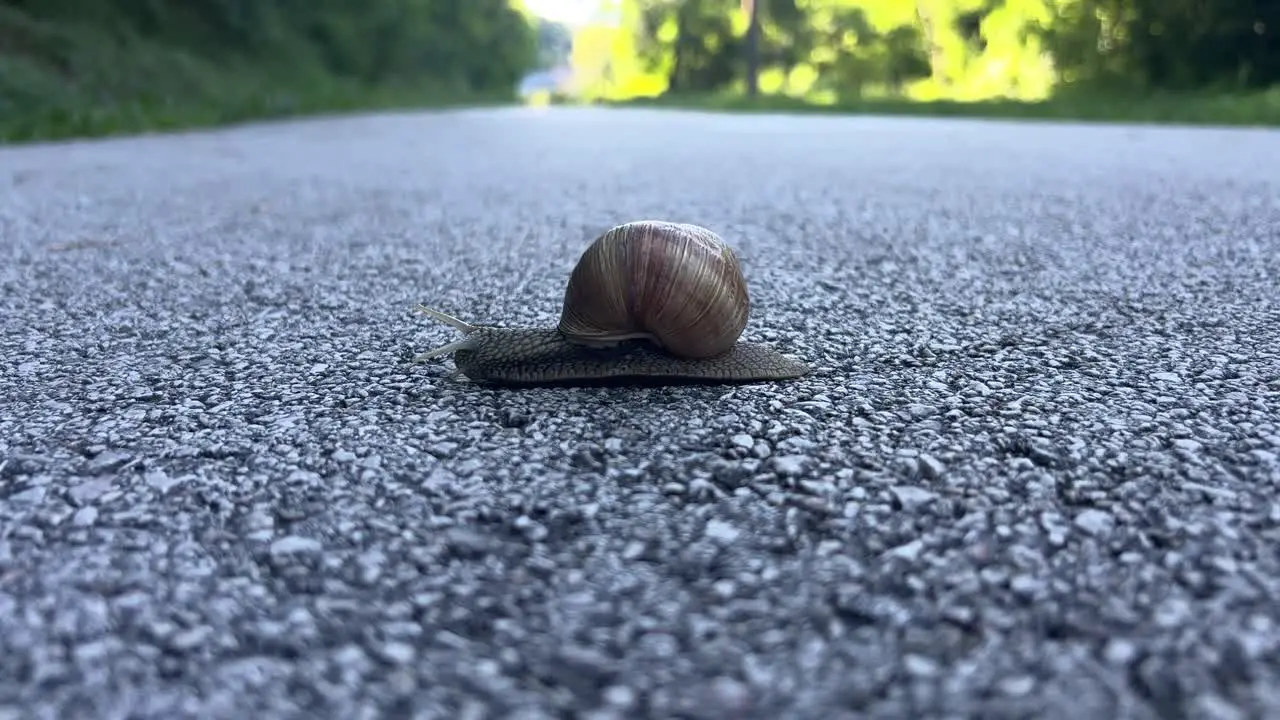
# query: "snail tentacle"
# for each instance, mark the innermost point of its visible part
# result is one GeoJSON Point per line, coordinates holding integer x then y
{"type": "Point", "coordinates": [463, 344]}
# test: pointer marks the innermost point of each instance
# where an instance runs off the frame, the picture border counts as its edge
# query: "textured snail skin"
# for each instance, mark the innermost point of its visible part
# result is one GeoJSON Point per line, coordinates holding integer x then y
{"type": "Point", "coordinates": [535, 356]}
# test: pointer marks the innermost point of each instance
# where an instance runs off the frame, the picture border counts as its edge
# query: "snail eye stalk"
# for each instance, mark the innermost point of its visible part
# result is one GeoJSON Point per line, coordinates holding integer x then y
{"type": "Point", "coordinates": [464, 344]}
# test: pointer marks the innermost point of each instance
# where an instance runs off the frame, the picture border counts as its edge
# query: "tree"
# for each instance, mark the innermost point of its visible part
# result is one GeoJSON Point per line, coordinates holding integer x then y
{"type": "Point", "coordinates": [752, 10]}
{"type": "Point", "coordinates": [959, 49]}
{"type": "Point", "coordinates": [1165, 44]}
{"type": "Point", "coordinates": [474, 44]}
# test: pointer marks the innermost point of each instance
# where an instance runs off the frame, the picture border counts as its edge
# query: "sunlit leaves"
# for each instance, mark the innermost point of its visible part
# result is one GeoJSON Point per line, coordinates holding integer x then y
{"type": "Point", "coordinates": [954, 49]}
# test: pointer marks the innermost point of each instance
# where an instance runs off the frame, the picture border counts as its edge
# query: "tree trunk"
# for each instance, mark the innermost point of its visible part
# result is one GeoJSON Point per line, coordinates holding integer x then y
{"type": "Point", "coordinates": [752, 8]}
{"type": "Point", "coordinates": [675, 81]}
{"type": "Point", "coordinates": [936, 60]}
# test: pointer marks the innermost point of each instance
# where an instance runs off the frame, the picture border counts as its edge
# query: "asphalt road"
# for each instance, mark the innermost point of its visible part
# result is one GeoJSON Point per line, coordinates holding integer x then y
{"type": "Point", "coordinates": [1035, 472]}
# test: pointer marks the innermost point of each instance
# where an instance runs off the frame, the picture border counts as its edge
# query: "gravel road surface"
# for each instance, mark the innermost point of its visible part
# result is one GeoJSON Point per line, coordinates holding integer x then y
{"type": "Point", "coordinates": [1034, 474]}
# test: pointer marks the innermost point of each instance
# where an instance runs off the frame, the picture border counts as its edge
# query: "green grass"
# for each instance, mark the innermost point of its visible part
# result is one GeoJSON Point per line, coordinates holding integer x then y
{"type": "Point", "coordinates": [59, 81]}
{"type": "Point", "coordinates": [1238, 109]}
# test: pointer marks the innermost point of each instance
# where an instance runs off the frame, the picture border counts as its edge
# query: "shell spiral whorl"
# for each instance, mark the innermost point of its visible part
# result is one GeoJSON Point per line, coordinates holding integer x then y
{"type": "Point", "coordinates": [677, 285]}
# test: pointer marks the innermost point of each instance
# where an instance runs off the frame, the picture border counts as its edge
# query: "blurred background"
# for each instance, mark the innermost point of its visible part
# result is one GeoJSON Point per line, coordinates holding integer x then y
{"type": "Point", "coordinates": [832, 51]}
{"type": "Point", "coordinates": [86, 67]}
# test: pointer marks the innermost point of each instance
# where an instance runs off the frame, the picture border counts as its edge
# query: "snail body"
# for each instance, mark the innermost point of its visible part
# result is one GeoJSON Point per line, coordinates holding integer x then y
{"type": "Point", "coordinates": [647, 299]}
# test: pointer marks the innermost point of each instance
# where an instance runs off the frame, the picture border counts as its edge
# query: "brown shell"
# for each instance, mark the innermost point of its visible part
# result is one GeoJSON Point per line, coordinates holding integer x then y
{"type": "Point", "coordinates": [676, 284]}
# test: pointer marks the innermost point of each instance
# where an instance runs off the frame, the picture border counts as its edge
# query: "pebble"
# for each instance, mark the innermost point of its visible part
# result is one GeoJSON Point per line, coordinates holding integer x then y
{"type": "Point", "coordinates": [1094, 522]}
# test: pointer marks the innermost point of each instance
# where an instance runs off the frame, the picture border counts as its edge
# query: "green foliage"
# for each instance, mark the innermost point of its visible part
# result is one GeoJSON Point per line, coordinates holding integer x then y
{"type": "Point", "coordinates": [1166, 44]}
{"type": "Point", "coordinates": [69, 67]}
{"type": "Point", "coordinates": [840, 51]}
{"type": "Point", "coordinates": [692, 42]}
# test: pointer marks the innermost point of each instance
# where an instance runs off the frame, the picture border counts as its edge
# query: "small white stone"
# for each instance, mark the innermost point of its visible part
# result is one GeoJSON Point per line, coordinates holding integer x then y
{"type": "Point", "coordinates": [789, 464]}
{"type": "Point", "coordinates": [722, 531]}
{"type": "Point", "coordinates": [295, 545]}
{"type": "Point", "coordinates": [1094, 522]}
{"type": "Point", "coordinates": [85, 516]}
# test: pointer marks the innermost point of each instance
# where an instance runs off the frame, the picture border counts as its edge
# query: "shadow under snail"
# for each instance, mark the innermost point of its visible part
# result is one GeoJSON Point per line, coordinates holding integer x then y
{"type": "Point", "coordinates": [647, 300]}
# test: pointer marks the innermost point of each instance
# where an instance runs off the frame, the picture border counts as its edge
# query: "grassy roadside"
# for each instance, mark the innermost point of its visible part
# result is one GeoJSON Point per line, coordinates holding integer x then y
{"type": "Point", "coordinates": [59, 81]}
{"type": "Point", "coordinates": [1257, 109]}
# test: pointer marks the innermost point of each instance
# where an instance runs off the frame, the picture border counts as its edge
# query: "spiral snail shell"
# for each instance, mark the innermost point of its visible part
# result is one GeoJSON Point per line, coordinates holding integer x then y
{"type": "Point", "coordinates": [647, 299]}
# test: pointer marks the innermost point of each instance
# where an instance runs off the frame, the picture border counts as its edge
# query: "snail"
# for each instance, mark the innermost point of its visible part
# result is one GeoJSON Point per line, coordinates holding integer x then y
{"type": "Point", "coordinates": [647, 299]}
